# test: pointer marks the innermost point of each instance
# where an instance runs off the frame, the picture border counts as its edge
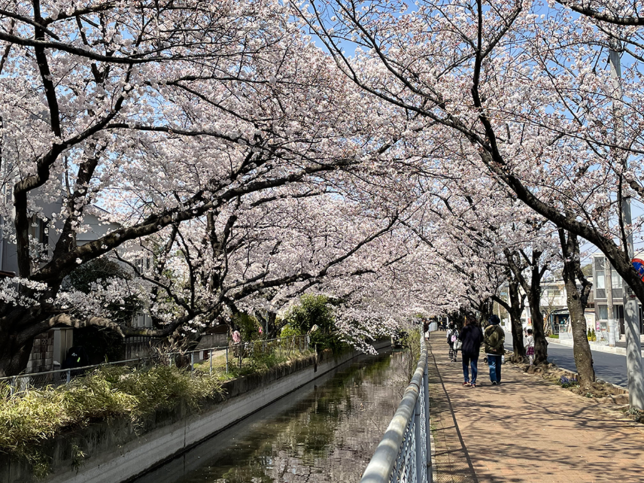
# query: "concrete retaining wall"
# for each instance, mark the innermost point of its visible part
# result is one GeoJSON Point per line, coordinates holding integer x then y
{"type": "Point", "coordinates": [117, 451]}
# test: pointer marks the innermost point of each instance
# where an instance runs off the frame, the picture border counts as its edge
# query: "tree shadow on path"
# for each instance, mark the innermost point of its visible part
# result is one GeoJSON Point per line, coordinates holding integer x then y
{"type": "Point", "coordinates": [531, 430]}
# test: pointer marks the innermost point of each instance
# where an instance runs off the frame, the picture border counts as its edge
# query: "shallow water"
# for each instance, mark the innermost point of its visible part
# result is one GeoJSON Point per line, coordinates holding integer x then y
{"type": "Point", "coordinates": [324, 432]}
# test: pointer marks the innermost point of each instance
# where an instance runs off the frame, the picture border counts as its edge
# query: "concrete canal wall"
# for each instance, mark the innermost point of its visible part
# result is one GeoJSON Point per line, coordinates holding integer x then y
{"type": "Point", "coordinates": [117, 451]}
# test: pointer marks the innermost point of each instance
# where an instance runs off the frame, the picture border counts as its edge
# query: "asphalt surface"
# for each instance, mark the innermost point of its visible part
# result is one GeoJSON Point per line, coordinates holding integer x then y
{"type": "Point", "coordinates": [608, 367]}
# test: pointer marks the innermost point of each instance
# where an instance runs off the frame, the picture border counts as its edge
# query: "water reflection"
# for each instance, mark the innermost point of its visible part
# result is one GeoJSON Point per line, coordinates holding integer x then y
{"type": "Point", "coordinates": [324, 432]}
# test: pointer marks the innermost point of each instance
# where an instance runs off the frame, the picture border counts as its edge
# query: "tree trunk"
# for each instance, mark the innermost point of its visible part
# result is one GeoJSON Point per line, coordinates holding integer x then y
{"type": "Point", "coordinates": [581, 348]}
{"type": "Point", "coordinates": [540, 343]}
{"type": "Point", "coordinates": [534, 298]}
{"type": "Point", "coordinates": [14, 353]}
{"type": "Point", "coordinates": [576, 304]}
{"type": "Point", "coordinates": [533, 290]}
{"type": "Point", "coordinates": [486, 308]}
{"type": "Point", "coordinates": [516, 308]}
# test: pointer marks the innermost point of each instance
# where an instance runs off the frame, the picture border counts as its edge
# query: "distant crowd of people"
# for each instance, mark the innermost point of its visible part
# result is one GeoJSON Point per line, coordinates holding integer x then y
{"type": "Point", "coordinates": [468, 341]}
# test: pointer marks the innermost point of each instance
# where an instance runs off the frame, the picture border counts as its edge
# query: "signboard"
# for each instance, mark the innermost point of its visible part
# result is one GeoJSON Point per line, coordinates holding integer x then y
{"type": "Point", "coordinates": [638, 264]}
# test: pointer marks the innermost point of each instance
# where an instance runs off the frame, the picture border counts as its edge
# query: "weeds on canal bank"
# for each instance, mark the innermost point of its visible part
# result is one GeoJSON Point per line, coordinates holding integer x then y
{"type": "Point", "coordinates": [32, 418]}
{"type": "Point", "coordinates": [411, 341]}
{"type": "Point", "coordinates": [258, 363]}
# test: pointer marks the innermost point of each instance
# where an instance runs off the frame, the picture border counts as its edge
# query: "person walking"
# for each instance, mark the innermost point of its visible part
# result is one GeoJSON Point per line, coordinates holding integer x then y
{"type": "Point", "coordinates": [529, 346]}
{"type": "Point", "coordinates": [472, 337]}
{"type": "Point", "coordinates": [494, 340]}
{"type": "Point", "coordinates": [452, 338]}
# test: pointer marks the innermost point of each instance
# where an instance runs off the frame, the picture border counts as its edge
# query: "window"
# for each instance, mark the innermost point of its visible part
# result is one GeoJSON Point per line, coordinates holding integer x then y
{"type": "Point", "coordinates": [603, 312]}
{"type": "Point", "coordinates": [600, 279]}
{"type": "Point", "coordinates": [616, 280]}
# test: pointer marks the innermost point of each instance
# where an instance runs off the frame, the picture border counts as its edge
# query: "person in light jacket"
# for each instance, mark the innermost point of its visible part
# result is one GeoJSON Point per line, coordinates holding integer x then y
{"type": "Point", "coordinates": [452, 337]}
{"type": "Point", "coordinates": [529, 346]}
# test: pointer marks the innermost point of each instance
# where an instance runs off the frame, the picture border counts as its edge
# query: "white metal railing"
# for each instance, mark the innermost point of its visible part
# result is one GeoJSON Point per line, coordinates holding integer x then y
{"type": "Point", "coordinates": [404, 453]}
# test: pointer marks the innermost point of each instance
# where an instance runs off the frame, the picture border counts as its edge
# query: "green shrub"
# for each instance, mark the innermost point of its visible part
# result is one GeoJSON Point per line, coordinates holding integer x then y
{"type": "Point", "coordinates": [29, 419]}
{"type": "Point", "coordinates": [312, 310]}
{"type": "Point", "coordinates": [289, 331]}
{"type": "Point", "coordinates": [248, 325]}
{"type": "Point", "coordinates": [315, 311]}
{"type": "Point", "coordinates": [264, 357]}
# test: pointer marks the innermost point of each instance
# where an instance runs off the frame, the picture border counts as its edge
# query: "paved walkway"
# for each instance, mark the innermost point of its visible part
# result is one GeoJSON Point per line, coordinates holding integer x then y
{"type": "Point", "coordinates": [525, 430]}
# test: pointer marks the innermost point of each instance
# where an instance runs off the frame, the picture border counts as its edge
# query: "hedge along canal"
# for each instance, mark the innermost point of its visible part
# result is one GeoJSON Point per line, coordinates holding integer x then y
{"type": "Point", "coordinates": [120, 449]}
{"type": "Point", "coordinates": [325, 431]}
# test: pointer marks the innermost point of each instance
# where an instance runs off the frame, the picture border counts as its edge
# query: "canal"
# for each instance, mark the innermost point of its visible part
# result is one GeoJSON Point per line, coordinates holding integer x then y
{"type": "Point", "coordinates": [325, 431]}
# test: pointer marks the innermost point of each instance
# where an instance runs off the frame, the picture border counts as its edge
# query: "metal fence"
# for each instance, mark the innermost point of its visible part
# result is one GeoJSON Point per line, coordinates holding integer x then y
{"type": "Point", "coordinates": [207, 360]}
{"type": "Point", "coordinates": [404, 453]}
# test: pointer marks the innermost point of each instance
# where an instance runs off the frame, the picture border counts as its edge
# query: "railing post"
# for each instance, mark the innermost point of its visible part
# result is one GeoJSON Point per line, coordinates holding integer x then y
{"type": "Point", "coordinates": [192, 362]}
{"type": "Point", "coordinates": [69, 376]}
{"type": "Point", "coordinates": [226, 359]}
{"type": "Point", "coordinates": [211, 362]}
{"type": "Point", "coordinates": [427, 425]}
{"type": "Point", "coordinates": [12, 387]}
{"type": "Point", "coordinates": [419, 443]}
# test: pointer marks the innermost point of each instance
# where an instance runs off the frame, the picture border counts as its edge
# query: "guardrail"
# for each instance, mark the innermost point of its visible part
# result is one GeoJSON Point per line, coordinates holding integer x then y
{"type": "Point", "coordinates": [198, 359]}
{"type": "Point", "coordinates": [404, 453]}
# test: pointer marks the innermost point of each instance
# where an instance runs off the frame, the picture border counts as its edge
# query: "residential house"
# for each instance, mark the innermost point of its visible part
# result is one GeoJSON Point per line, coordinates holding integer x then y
{"type": "Point", "coordinates": [554, 307]}
{"type": "Point", "coordinates": [600, 292]}
{"type": "Point", "coordinates": [50, 349]}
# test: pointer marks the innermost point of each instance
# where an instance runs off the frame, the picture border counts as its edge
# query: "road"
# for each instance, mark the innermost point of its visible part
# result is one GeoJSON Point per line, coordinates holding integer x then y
{"type": "Point", "coordinates": [608, 367]}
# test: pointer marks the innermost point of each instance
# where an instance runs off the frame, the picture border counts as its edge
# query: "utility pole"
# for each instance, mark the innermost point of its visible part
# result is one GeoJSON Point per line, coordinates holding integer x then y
{"type": "Point", "coordinates": [608, 284]}
{"type": "Point", "coordinates": [634, 367]}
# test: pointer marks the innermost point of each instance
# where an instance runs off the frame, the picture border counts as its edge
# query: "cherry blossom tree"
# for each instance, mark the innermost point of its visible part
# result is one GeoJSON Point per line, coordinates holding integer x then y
{"type": "Point", "coordinates": [506, 87]}
{"type": "Point", "coordinates": [519, 93]}
{"type": "Point", "coordinates": [159, 114]}
{"type": "Point", "coordinates": [259, 254]}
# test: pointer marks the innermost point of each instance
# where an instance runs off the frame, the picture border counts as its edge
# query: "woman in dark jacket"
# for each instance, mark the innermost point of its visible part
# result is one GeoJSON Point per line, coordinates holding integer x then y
{"type": "Point", "coordinates": [472, 337]}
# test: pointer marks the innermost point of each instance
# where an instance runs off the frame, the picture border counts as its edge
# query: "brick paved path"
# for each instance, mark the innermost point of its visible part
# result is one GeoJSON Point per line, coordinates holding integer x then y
{"type": "Point", "coordinates": [525, 430]}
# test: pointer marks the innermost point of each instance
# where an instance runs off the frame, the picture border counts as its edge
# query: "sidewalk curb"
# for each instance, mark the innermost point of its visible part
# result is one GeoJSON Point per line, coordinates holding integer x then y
{"type": "Point", "coordinates": [432, 445]}
{"type": "Point", "coordinates": [593, 346]}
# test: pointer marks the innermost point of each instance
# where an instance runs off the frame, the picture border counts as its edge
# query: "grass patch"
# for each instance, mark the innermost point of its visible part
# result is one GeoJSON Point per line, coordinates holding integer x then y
{"type": "Point", "coordinates": [31, 418]}
{"type": "Point", "coordinates": [26, 421]}
{"type": "Point", "coordinates": [553, 336]}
